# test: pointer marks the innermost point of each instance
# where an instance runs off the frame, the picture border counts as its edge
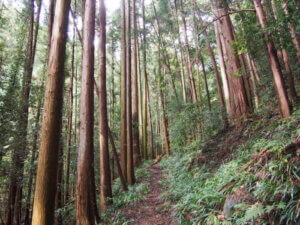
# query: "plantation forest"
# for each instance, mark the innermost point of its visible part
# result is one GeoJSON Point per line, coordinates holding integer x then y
{"type": "Point", "coordinates": [150, 112]}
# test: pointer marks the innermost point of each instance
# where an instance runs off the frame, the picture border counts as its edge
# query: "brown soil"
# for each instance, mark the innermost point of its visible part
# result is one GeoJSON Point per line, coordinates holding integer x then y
{"type": "Point", "coordinates": [152, 210]}
{"type": "Point", "coordinates": [223, 144]}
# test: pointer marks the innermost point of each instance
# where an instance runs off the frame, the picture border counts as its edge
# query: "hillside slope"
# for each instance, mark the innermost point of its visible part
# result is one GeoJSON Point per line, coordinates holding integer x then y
{"type": "Point", "coordinates": [244, 175]}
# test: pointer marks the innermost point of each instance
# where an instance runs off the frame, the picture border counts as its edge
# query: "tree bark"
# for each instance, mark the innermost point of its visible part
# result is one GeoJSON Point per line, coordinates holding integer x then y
{"type": "Point", "coordinates": [84, 205]}
{"type": "Point", "coordinates": [115, 154]}
{"type": "Point", "coordinates": [43, 208]}
{"type": "Point", "coordinates": [253, 82]}
{"type": "Point", "coordinates": [123, 137]}
{"type": "Point", "coordinates": [239, 105]}
{"type": "Point", "coordinates": [274, 63]}
{"type": "Point", "coordinates": [189, 63]}
{"type": "Point", "coordinates": [130, 167]}
{"type": "Point", "coordinates": [223, 70]}
{"type": "Point", "coordinates": [105, 178]}
{"type": "Point", "coordinates": [205, 81]}
{"type": "Point", "coordinates": [151, 148]}
{"type": "Point", "coordinates": [286, 61]}
{"type": "Point", "coordinates": [293, 32]}
{"type": "Point", "coordinates": [135, 92]}
{"type": "Point", "coordinates": [144, 105]}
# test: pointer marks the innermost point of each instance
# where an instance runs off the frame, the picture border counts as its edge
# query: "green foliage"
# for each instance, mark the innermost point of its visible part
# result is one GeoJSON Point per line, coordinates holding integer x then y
{"type": "Point", "coordinates": [189, 121]}
{"type": "Point", "coordinates": [121, 199]}
{"type": "Point", "coordinates": [271, 180]}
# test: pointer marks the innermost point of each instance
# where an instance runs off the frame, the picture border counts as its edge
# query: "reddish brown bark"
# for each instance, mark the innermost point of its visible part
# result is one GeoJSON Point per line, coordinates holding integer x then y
{"type": "Point", "coordinates": [205, 82]}
{"type": "Point", "coordinates": [189, 63]}
{"type": "Point", "coordinates": [43, 208]}
{"type": "Point", "coordinates": [274, 63]}
{"type": "Point", "coordinates": [84, 205]}
{"type": "Point", "coordinates": [239, 102]}
{"type": "Point", "coordinates": [135, 94]}
{"type": "Point", "coordinates": [105, 175]}
{"type": "Point", "coordinates": [130, 167]}
{"type": "Point", "coordinates": [293, 32]}
{"type": "Point", "coordinates": [144, 105]}
{"type": "Point", "coordinates": [123, 137]}
{"type": "Point", "coordinates": [223, 70]}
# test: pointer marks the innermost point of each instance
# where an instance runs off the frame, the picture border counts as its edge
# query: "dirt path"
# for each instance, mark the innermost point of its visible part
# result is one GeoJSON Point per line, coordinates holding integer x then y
{"type": "Point", "coordinates": [151, 210]}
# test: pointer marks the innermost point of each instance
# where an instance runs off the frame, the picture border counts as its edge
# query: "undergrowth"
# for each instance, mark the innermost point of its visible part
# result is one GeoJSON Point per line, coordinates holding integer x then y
{"type": "Point", "coordinates": [262, 175]}
{"type": "Point", "coordinates": [121, 199]}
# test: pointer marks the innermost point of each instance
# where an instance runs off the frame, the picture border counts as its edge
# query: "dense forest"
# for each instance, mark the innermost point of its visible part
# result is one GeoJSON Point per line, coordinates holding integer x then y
{"type": "Point", "coordinates": [149, 112]}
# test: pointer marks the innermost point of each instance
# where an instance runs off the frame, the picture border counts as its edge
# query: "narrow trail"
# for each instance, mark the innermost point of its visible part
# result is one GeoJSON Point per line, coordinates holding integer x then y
{"type": "Point", "coordinates": [151, 210]}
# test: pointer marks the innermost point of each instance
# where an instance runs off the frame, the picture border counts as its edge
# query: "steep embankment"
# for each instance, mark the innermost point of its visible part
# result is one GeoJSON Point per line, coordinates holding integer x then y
{"type": "Point", "coordinates": [244, 175]}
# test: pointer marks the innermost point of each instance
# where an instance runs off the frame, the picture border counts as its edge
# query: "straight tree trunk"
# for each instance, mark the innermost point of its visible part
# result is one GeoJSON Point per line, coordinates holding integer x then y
{"type": "Point", "coordinates": [84, 205]}
{"type": "Point", "coordinates": [293, 32]}
{"type": "Point", "coordinates": [253, 82]}
{"type": "Point", "coordinates": [205, 81]}
{"type": "Point", "coordinates": [105, 178]}
{"type": "Point", "coordinates": [144, 105]}
{"type": "Point", "coordinates": [239, 105]}
{"type": "Point", "coordinates": [60, 187]}
{"type": "Point", "coordinates": [189, 63]}
{"type": "Point", "coordinates": [70, 123]}
{"type": "Point", "coordinates": [285, 57]}
{"type": "Point", "coordinates": [162, 102]}
{"type": "Point", "coordinates": [151, 147]}
{"type": "Point", "coordinates": [212, 58]}
{"type": "Point", "coordinates": [274, 63]}
{"type": "Point", "coordinates": [182, 60]}
{"type": "Point", "coordinates": [130, 167]}
{"type": "Point", "coordinates": [32, 166]}
{"type": "Point", "coordinates": [115, 154]}
{"type": "Point", "coordinates": [43, 208]}
{"type": "Point", "coordinates": [123, 137]}
{"type": "Point", "coordinates": [135, 92]}
{"type": "Point", "coordinates": [223, 70]}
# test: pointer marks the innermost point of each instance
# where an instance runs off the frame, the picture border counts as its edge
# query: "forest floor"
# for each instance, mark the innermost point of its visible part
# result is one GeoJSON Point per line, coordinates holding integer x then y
{"type": "Point", "coordinates": [152, 209]}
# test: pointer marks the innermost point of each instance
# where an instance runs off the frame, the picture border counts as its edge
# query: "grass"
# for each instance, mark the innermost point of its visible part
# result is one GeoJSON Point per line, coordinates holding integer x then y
{"type": "Point", "coordinates": [259, 167]}
{"type": "Point", "coordinates": [121, 199]}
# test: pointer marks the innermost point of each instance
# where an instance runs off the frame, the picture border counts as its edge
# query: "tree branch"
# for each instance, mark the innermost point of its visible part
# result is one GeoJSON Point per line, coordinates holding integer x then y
{"type": "Point", "coordinates": [227, 14]}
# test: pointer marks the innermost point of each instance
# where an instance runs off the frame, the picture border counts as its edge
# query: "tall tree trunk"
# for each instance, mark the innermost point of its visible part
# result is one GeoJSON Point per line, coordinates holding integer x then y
{"type": "Point", "coordinates": [151, 148]}
{"type": "Point", "coordinates": [274, 64]}
{"type": "Point", "coordinates": [162, 102]}
{"type": "Point", "coordinates": [50, 22]}
{"type": "Point", "coordinates": [182, 60]}
{"type": "Point", "coordinates": [223, 70]}
{"type": "Point", "coordinates": [144, 105]}
{"type": "Point", "coordinates": [60, 186]}
{"type": "Point", "coordinates": [123, 137]}
{"type": "Point", "coordinates": [135, 92]}
{"type": "Point", "coordinates": [212, 57]}
{"type": "Point", "coordinates": [285, 57]}
{"type": "Point", "coordinates": [240, 106]}
{"type": "Point", "coordinates": [205, 81]}
{"type": "Point", "coordinates": [130, 167]}
{"type": "Point", "coordinates": [84, 205]}
{"type": "Point", "coordinates": [189, 63]}
{"type": "Point", "coordinates": [253, 82]}
{"type": "Point", "coordinates": [70, 122]}
{"type": "Point", "coordinates": [43, 208]}
{"type": "Point", "coordinates": [32, 166]}
{"type": "Point", "coordinates": [115, 154]}
{"type": "Point", "coordinates": [105, 179]}
{"type": "Point", "coordinates": [293, 32]}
